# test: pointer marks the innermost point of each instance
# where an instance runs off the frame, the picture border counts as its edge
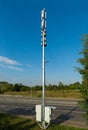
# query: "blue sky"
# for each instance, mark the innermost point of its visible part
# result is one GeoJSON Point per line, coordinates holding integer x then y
{"type": "Point", "coordinates": [20, 40]}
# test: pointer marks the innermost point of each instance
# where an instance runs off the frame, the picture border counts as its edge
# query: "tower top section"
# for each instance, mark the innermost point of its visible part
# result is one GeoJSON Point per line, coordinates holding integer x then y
{"type": "Point", "coordinates": [43, 27]}
{"type": "Point", "coordinates": [43, 19]}
{"type": "Point", "coordinates": [43, 14]}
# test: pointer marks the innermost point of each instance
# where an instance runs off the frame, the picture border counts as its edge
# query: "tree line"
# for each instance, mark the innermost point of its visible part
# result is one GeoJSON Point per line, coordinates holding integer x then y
{"type": "Point", "coordinates": [18, 87]}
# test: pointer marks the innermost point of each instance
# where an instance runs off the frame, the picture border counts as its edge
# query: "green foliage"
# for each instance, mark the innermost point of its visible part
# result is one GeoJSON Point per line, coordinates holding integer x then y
{"type": "Point", "coordinates": [74, 86]}
{"type": "Point", "coordinates": [19, 87]}
{"type": "Point", "coordinates": [4, 122]}
{"type": "Point", "coordinates": [37, 87]}
{"type": "Point", "coordinates": [7, 87]}
{"type": "Point", "coordinates": [51, 87]}
{"type": "Point", "coordinates": [84, 72]}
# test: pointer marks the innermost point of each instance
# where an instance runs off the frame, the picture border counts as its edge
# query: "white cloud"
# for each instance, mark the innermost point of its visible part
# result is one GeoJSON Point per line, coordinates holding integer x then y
{"type": "Point", "coordinates": [6, 60]}
{"type": "Point", "coordinates": [8, 63]}
{"type": "Point", "coordinates": [16, 68]}
{"type": "Point", "coordinates": [28, 65]}
{"type": "Point", "coordinates": [11, 67]}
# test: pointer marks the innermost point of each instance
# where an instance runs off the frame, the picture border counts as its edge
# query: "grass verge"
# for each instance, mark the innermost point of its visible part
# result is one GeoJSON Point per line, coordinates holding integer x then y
{"type": "Point", "coordinates": [69, 94]}
{"type": "Point", "coordinates": [16, 123]}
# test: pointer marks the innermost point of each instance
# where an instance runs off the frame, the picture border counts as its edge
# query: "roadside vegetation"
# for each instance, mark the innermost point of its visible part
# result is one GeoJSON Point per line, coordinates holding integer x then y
{"type": "Point", "coordinates": [71, 91]}
{"type": "Point", "coordinates": [16, 123]}
{"type": "Point", "coordinates": [68, 94]}
{"type": "Point", "coordinates": [83, 70]}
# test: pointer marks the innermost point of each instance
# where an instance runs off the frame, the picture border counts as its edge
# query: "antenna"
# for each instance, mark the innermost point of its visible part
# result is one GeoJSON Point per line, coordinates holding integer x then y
{"type": "Point", "coordinates": [43, 27]}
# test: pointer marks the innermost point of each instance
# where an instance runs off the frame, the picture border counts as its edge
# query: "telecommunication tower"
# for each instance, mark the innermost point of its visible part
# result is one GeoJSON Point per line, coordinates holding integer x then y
{"type": "Point", "coordinates": [43, 112]}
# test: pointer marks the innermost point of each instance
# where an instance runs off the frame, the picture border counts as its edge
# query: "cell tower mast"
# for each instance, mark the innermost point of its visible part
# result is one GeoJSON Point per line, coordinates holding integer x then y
{"type": "Point", "coordinates": [43, 112]}
{"type": "Point", "coordinates": [43, 43]}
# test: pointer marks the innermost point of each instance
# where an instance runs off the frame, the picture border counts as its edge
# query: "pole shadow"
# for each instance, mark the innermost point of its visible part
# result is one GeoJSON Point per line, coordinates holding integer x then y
{"type": "Point", "coordinates": [63, 117]}
{"type": "Point", "coordinates": [22, 112]}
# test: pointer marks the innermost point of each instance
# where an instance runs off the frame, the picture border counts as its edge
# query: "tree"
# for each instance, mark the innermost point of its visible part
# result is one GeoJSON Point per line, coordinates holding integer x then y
{"type": "Point", "coordinates": [61, 86]}
{"type": "Point", "coordinates": [74, 86]}
{"type": "Point", "coordinates": [17, 87]}
{"type": "Point", "coordinates": [84, 72]}
{"type": "Point", "coordinates": [5, 86]}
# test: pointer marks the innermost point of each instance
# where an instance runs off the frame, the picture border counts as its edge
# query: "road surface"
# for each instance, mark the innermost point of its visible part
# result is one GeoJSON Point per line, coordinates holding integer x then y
{"type": "Point", "coordinates": [67, 111]}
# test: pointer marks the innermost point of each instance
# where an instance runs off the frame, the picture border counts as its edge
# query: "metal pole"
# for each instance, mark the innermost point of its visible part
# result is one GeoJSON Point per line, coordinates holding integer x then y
{"type": "Point", "coordinates": [43, 84]}
{"type": "Point", "coordinates": [31, 90]}
{"type": "Point", "coordinates": [43, 30]}
{"type": "Point", "coordinates": [43, 118]}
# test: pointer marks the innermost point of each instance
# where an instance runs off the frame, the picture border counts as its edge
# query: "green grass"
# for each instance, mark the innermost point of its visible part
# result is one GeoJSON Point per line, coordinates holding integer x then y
{"type": "Point", "coordinates": [16, 123]}
{"type": "Point", "coordinates": [72, 94]}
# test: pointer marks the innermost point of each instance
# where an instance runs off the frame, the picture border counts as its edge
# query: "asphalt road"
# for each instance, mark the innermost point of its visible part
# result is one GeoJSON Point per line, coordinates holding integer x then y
{"type": "Point", "coordinates": [67, 111]}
